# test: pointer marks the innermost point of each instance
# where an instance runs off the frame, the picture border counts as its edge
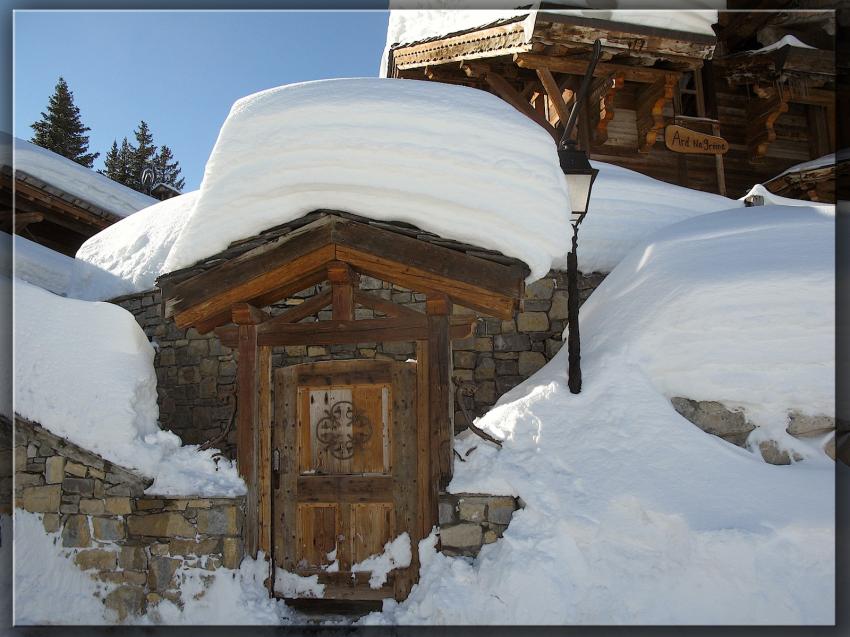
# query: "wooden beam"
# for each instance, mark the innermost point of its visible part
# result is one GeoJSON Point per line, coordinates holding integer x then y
{"type": "Point", "coordinates": [556, 97]}
{"type": "Point", "coordinates": [650, 111]}
{"type": "Point", "coordinates": [247, 429]}
{"type": "Point", "coordinates": [342, 279]}
{"type": "Point", "coordinates": [301, 311]}
{"type": "Point", "coordinates": [247, 314]}
{"type": "Point", "coordinates": [762, 114]}
{"type": "Point", "coordinates": [264, 495]}
{"type": "Point", "coordinates": [574, 66]}
{"type": "Point", "coordinates": [24, 189]}
{"type": "Point", "coordinates": [378, 304]}
{"type": "Point", "coordinates": [501, 87]}
{"type": "Point", "coordinates": [23, 219]}
{"type": "Point", "coordinates": [429, 488]}
{"type": "Point", "coordinates": [336, 332]}
{"type": "Point", "coordinates": [602, 106]}
{"type": "Point", "coordinates": [438, 309]}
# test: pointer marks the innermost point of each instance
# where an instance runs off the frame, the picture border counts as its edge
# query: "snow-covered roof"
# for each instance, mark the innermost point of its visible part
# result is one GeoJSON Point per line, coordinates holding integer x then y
{"type": "Point", "coordinates": [452, 160]}
{"type": "Point", "coordinates": [85, 372]}
{"type": "Point", "coordinates": [812, 164]}
{"type": "Point", "coordinates": [785, 40]}
{"type": "Point", "coordinates": [70, 177]}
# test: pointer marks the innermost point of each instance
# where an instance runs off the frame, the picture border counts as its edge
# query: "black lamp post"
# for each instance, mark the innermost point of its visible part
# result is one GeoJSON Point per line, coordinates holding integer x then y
{"type": "Point", "coordinates": [580, 176]}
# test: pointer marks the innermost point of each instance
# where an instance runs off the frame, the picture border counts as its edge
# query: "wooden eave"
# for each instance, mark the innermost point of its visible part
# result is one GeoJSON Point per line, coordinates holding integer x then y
{"type": "Point", "coordinates": [284, 265]}
{"type": "Point", "coordinates": [508, 38]}
{"type": "Point", "coordinates": [814, 65]}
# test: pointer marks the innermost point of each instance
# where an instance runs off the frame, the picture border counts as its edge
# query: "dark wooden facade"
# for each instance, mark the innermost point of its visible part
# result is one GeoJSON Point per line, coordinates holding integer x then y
{"type": "Point", "coordinates": [775, 109]}
{"type": "Point", "coordinates": [47, 215]}
{"type": "Point", "coordinates": [300, 502]}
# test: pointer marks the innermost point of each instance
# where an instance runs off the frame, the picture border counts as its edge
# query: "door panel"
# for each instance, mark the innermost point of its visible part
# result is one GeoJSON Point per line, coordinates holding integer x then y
{"type": "Point", "coordinates": [346, 432]}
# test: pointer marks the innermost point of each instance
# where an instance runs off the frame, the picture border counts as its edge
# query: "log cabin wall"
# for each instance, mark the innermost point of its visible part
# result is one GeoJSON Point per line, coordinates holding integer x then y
{"type": "Point", "coordinates": [196, 374]}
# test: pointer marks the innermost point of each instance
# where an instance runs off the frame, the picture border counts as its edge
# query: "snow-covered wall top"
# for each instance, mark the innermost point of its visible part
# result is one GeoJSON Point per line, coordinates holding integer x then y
{"type": "Point", "coordinates": [452, 160]}
{"type": "Point", "coordinates": [131, 253]}
{"type": "Point", "coordinates": [70, 177]}
{"type": "Point", "coordinates": [414, 21]}
{"type": "Point", "coordinates": [85, 371]}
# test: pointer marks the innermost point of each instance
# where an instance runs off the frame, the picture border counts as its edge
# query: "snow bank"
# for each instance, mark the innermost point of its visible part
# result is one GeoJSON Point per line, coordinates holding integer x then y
{"type": "Point", "coordinates": [131, 252]}
{"type": "Point", "coordinates": [85, 372]}
{"type": "Point", "coordinates": [633, 515]}
{"type": "Point", "coordinates": [73, 178]}
{"type": "Point", "coordinates": [736, 307]}
{"type": "Point", "coordinates": [396, 554]}
{"type": "Point", "coordinates": [49, 587]}
{"type": "Point", "coordinates": [626, 207]}
{"type": "Point", "coordinates": [452, 160]}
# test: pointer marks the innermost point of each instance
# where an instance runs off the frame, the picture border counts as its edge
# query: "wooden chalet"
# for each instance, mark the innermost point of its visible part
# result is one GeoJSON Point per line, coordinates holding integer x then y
{"type": "Point", "coordinates": [350, 449]}
{"type": "Point", "coordinates": [815, 181]}
{"type": "Point", "coordinates": [758, 113]}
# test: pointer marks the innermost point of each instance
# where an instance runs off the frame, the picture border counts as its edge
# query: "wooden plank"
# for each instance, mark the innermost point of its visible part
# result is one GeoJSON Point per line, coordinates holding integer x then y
{"type": "Point", "coordinates": [285, 480]}
{"type": "Point", "coordinates": [342, 280]}
{"type": "Point", "coordinates": [428, 489]}
{"type": "Point", "coordinates": [247, 314]}
{"type": "Point", "coordinates": [556, 97]}
{"type": "Point", "coordinates": [372, 526]}
{"type": "Point", "coordinates": [575, 66]}
{"type": "Point", "coordinates": [345, 488]}
{"type": "Point", "coordinates": [319, 526]}
{"type": "Point", "coordinates": [247, 430]}
{"type": "Point", "coordinates": [369, 455]}
{"type": "Point", "coordinates": [331, 430]}
{"type": "Point", "coordinates": [405, 468]}
{"type": "Point", "coordinates": [378, 304]}
{"type": "Point", "coordinates": [439, 361]}
{"type": "Point", "coordinates": [91, 219]}
{"type": "Point", "coordinates": [264, 369]}
{"type": "Point", "coordinates": [650, 111]}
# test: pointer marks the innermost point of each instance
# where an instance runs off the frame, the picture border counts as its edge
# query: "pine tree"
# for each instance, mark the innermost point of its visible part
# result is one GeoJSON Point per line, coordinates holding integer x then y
{"type": "Point", "coordinates": [110, 162]}
{"type": "Point", "coordinates": [166, 170]}
{"type": "Point", "coordinates": [117, 163]}
{"type": "Point", "coordinates": [60, 128]}
{"type": "Point", "coordinates": [143, 153]}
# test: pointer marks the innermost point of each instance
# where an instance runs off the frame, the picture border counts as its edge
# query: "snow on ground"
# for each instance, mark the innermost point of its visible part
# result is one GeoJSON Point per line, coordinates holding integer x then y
{"type": "Point", "coordinates": [397, 554]}
{"type": "Point", "coordinates": [133, 251]}
{"type": "Point", "coordinates": [632, 514]}
{"type": "Point", "coordinates": [468, 167]}
{"type": "Point", "coordinates": [85, 371]}
{"type": "Point", "coordinates": [771, 199]}
{"type": "Point", "coordinates": [49, 587]}
{"type": "Point", "coordinates": [626, 207]}
{"type": "Point", "coordinates": [73, 178]}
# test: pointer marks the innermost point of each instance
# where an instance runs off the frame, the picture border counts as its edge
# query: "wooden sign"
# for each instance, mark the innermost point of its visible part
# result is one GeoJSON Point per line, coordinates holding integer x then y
{"type": "Point", "coordinates": [685, 140]}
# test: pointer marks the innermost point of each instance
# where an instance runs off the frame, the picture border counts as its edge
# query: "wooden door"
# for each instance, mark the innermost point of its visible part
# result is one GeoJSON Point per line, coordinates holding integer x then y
{"type": "Point", "coordinates": [344, 467]}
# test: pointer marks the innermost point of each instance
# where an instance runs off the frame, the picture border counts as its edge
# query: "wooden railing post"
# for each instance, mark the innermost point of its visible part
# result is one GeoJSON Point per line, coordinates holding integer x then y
{"type": "Point", "coordinates": [439, 352]}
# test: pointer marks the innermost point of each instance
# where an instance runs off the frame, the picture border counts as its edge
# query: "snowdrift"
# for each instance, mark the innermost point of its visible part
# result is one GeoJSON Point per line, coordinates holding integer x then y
{"type": "Point", "coordinates": [85, 371]}
{"type": "Point", "coordinates": [633, 515]}
{"type": "Point", "coordinates": [73, 178]}
{"type": "Point", "coordinates": [452, 160]}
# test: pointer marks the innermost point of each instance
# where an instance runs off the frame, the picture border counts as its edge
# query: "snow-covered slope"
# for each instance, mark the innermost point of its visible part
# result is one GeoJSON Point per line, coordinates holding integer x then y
{"type": "Point", "coordinates": [85, 371]}
{"type": "Point", "coordinates": [633, 515]}
{"type": "Point", "coordinates": [72, 178]}
{"type": "Point", "coordinates": [626, 207]}
{"type": "Point", "coordinates": [131, 252]}
{"type": "Point", "coordinates": [453, 160]}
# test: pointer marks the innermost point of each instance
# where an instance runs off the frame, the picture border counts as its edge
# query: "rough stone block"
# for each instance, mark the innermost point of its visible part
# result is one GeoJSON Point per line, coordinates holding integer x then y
{"type": "Point", "coordinates": [126, 601]}
{"type": "Point", "coordinates": [540, 289]}
{"type": "Point", "coordinates": [464, 535]}
{"type": "Point", "coordinates": [51, 522]}
{"type": "Point", "coordinates": [192, 547]}
{"type": "Point", "coordinates": [76, 470]}
{"type": "Point", "coordinates": [222, 520]}
{"type": "Point", "coordinates": [161, 572]}
{"type": "Point", "coordinates": [160, 525]}
{"type": "Point", "coordinates": [118, 506]}
{"type": "Point", "coordinates": [42, 499]}
{"type": "Point", "coordinates": [76, 532]}
{"type": "Point", "coordinates": [511, 342]}
{"type": "Point", "coordinates": [532, 322]}
{"type": "Point", "coordinates": [714, 418]}
{"type": "Point", "coordinates": [97, 474]}
{"type": "Point", "coordinates": [500, 510]}
{"type": "Point", "coordinates": [28, 480]}
{"type": "Point", "coordinates": [464, 360]}
{"type": "Point", "coordinates": [530, 362]}
{"type": "Point", "coordinates": [486, 369]}
{"type": "Point", "coordinates": [485, 393]}
{"type": "Point", "coordinates": [232, 552]}
{"type": "Point", "coordinates": [83, 487]}
{"type": "Point", "coordinates": [109, 529]}
{"type": "Point", "coordinates": [447, 513]}
{"type": "Point", "coordinates": [54, 470]}
{"type": "Point", "coordinates": [92, 507]}
{"type": "Point", "coordinates": [133, 558]}
{"type": "Point", "coordinates": [559, 310]}
{"type": "Point", "coordinates": [471, 510]}
{"type": "Point", "coordinates": [802, 425]}
{"type": "Point", "coordinates": [484, 344]}
{"type": "Point", "coordinates": [772, 454]}
{"type": "Point", "coordinates": [99, 559]}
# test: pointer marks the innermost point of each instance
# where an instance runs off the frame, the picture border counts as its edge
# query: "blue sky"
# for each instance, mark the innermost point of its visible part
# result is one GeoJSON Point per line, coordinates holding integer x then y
{"type": "Point", "coordinates": [180, 71]}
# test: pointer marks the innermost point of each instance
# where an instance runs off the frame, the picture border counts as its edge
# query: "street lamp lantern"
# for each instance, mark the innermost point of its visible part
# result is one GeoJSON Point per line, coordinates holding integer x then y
{"type": "Point", "coordinates": [580, 176]}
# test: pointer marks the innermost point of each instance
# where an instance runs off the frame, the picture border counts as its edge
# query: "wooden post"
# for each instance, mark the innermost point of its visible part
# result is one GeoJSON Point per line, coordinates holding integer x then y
{"type": "Point", "coordinates": [342, 279]}
{"type": "Point", "coordinates": [704, 104]}
{"type": "Point", "coordinates": [439, 352]}
{"type": "Point", "coordinates": [429, 496]}
{"type": "Point", "coordinates": [264, 373]}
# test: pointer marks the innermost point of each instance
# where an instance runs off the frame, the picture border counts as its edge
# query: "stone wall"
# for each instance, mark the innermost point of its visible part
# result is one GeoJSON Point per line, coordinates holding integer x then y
{"type": "Point", "coordinates": [468, 521]}
{"type": "Point", "coordinates": [140, 544]}
{"type": "Point", "coordinates": [196, 375]}
{"type": "Point", "coordinates": [5, 466]}
{"type": "Point", "coordinates": [732, 426]}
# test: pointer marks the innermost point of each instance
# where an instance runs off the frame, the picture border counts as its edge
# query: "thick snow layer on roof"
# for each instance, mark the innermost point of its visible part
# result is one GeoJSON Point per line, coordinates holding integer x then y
{"type": "Point", "coordinates": [785, 40]}
{"type": "Point", "coordinates": [773, 199]}
{"type": "Point", "coordinates": [626, 207]}
{"type": "Point", "coordinates": [126, 257]}
{"type": "Point", "coordinates": [453, 160]}
{"type": "Point", "coordinates": [812, 164]}
{"type": "Point", "coordinates": [76, 180]}
{"type": "Point", "coordinates": [696, 21]}
{"type": "Point", "coordinates": [630, 510]}
{"type": "Point", "coordinates": [85, 371]}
